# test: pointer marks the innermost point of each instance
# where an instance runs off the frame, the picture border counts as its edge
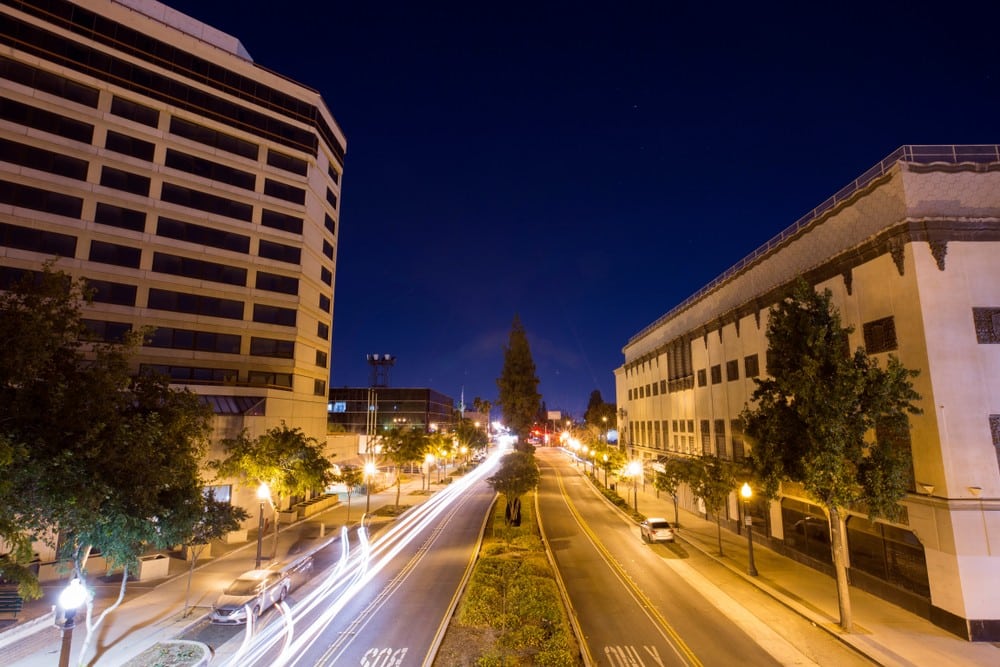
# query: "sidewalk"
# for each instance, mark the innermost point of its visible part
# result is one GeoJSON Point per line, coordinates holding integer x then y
{"type": "Point", "coordinates": [888, 634]}
{"type": "Point", "coordinates": [153, 611]}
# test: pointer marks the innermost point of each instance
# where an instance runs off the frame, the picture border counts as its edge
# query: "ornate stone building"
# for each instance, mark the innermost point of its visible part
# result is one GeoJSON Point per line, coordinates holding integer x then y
{"type": "Point", "coordinates": [911, 252]}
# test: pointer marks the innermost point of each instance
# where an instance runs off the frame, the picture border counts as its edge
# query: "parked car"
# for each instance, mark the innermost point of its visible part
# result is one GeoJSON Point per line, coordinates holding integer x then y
{"type": "Point", "coordinates": [655, 529]}
{"type": "Point", "coordinates": [256, 589]}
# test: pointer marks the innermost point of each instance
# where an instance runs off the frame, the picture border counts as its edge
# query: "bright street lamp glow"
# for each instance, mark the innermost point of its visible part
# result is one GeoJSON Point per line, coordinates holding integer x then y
{"type": "Point", "coordinates": [263, 492]}
{"type": "Point", "coordinates": [746, 491]}
{"type": "Point", "coordinates": [73, 595]}
{"type": "Point", "coordinates": [370, 469]}
{"type": "Point", "coordinates": [633, 469]}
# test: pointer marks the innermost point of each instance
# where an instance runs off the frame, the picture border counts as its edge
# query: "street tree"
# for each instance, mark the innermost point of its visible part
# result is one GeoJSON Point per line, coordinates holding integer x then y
{"type": "Point", "coordinates": [599, 413]}
{"type": "Point", "coordinates": [404, 446]}
{"type": "Point", "coordinates": [483, 407]}
{"type": "Point", "coordinates": [670, 479]}
{"type": "Point", "coordinates": [89, 452]}
{"type": "Point", "coordinates": [218, 519]}
{"type": "Point", "coordinates": [351, 478]}
{"type": "Point", "coordinates": [470, 435]}
{"type": "Point", "coordinates": [835, 422]}
{"type": "Point", "coordinates": [517, 475]}
{"type": "Point", "coordinates": [712, 479]}
{"type": "Point", "coordinates": [288, 461]}
{"type": "Point", "coordinates": [518, 385]}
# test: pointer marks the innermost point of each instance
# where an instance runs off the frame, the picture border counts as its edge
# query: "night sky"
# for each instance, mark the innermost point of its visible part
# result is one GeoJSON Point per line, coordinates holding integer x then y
{"type": "Point", "coordinates": [590, 165]}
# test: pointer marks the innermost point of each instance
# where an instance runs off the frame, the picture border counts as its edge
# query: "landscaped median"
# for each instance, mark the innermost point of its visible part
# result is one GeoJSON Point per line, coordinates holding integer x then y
{"type": "Point", "coordinates": [511, 612]}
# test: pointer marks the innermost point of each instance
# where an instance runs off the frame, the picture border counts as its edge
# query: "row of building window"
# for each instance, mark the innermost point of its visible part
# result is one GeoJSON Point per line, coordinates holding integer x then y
{"type": "Point", "coordinates": [655, 434]}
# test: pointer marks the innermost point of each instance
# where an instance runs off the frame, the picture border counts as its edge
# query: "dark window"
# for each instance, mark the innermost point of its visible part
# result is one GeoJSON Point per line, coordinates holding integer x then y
{"type": "Point", "coordinates": [319, 387]}
{"type": "Point", "coordinates": [690, 425]}
{"type": "Point", "coordinates": [732, 370]}
{"type": "Point", "coordinates": [880, 335]}
{"type": "Point", "coordinates": [191, 375]}
{"type": "Point", "coordinates": [135, 111]}
{"type": "Point", "coordinates": [656, 389]}
{"type": "Point", "coordinates": [125, 180]}
{"type": "Point", "coordinates": [109, 332]}
{"type": "Point", "coordinates": [279, 251]}
{"type": "Point", "coordinates": [210, 170]}
{"type": "Point", "coordinates": [187, 339]}
{"type": "Point", "coordinates": [706, 438]}
{"type": "Point", "coordinates": [287, 162]}
{"type": "Point", "coordinates": [192, 233]}
{"type": "Point", "coordinates": [213, 138]}
{"type": "Point", "coordinates": [284, 191]}
{"type": "Point", "coordinates": [329, 223]}
{"type": "Point", "coordinates": [123, 218]}
{"type": "Point", "coordinates": [274, 315]}
{"type": "Point", "coordinates": [46, 121]}
{"type": "Point", "coordinates": [175, 194]}
{"type": "Point", "coordinates": [888, 553]}
{"type": "Point", "coordinates": [987, 322]}
{"type": "Point", "coordinates": [126, 145]}
{"type": "Point", "coordinates": [896, 434]}
{"type": "Point", "coordinates": [48, 82]}
{"type": "Point", "coordinates": [112, 253]}
{"type": "Point", "coordinates": [334, 174]}
{"type": "Point", "coordinates": [321, 358]}
{"type": "Point", "coordinates": [328, 249]}
{"type": "Point", "coordinates": [272, 347]}
{"type": "Point", "coordinates": [197, 268]}
{"type": "Point", "coordinates": [282, 221]}
{"type": "Point", "coordinates": [118, 294]}
{"type": "Point", "coordinates": [720, 439]}
{"type": "Point", "coordinates": [736, 436]}
{"type": "Point", "coordinates": [37, 199]}
{"type": "Point", "coordinates": [751, 366]}
{"type": "Point", "coordinates": [324, 303]}
{"type": "Point", "coordinates": [663, 386]}
{"type": "Point", "coordinates": [323, 330]}
{"type": "Point", "coordinates": [326, 275]}
{"type": "Point", "coordinates": [331, 197]}
{"type": "Point", "coordinates": [37, 240]}
{"type": "Point", "coordinates": [995, 432]}
{"type": "Point", "coordinates": [43, 160]}
{"type": "Point", "coordinates": [185, 302]}
{"type": "Point", "coordinates": [269, 379]}
{"type": "Point", "coordinates": [716, 374]}
{"type": "Point", "coordinates": [272, 282]}
{"type": "Point", "coordinates": [702, 378]}
{"type": "Point", "coordinates": [806, 529]}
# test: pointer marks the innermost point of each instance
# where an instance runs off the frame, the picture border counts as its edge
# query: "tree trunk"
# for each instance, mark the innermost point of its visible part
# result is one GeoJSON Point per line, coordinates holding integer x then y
{"type": "Point", "coordinates": [839, 546]}
{"type": "Point", "coordinates": [399, 481]}
{"type": "Point", "coordinates": [677, 518]}
{"type": "Point", "coordinates": [718, 525]}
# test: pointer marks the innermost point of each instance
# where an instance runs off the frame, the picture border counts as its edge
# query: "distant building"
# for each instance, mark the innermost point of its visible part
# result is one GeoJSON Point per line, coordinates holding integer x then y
{"type": "Point", "coordinates": [195, 191]}
{"type": "Point", "coordinates": [910, 252]}
{"type": "Point", "coordinates": [357, 409]}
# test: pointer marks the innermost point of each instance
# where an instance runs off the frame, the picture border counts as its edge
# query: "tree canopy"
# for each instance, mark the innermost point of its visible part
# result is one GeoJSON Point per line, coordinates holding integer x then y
{"type": "Point", "coordinates": [517, 474]}
{"type": "Point", "coordinates": [403, 446]}
{"type": "Point", "coordinates": [599, 413]}
{"type": "Point", "coordinates": [812, 419]}
{"type": "Point", "coordinates": [518, 385]}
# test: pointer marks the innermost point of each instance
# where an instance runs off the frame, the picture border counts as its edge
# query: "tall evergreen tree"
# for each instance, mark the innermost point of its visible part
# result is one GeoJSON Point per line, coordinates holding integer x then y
{"type": "Point", "coordinates": [813, 419]}
{"type": "Point", "coordinates": [519, 398]}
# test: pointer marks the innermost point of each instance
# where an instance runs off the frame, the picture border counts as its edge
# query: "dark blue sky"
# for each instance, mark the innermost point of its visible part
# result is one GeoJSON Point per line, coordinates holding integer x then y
{"type": "Point", "coordinates": [589, 165]}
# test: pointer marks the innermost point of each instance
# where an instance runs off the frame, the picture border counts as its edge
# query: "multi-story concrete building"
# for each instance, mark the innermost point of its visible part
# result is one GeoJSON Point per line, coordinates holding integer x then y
{"type": "Point", "coordinates": [195, 191]}
{"type": "Point", "coordinates": [910, 252]}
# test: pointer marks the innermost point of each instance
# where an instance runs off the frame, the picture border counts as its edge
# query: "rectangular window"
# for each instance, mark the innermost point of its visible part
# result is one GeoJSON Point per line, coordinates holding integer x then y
{"type": "Point", "coordinates": [732, 370]}
{"type": "Point", "coordinates": [880, 335]}
{"type": "Point", "coordinates": [702, 377]}
{"type": "Point", "coordinates": [987, 323]}
{"type": "Point", "coordinates": [284, 191]}
{"type": "Point", "coordinates": [334, 174]}
{"type": "Point", "coordinates": [267, 379]}
{"type": "Point", "coordinates": [37, 199]}
{"type": "Point", "coordinates": [197, 268]}
{"type": "Point", "coordinates": [326, 275]}
{"type": "Point", "coordinates": [287, 162]}
{"type": "Point", "coordinates": [36, 240]}
{"type": "Point", "coordinates": [43, 160]}
{"type": "Point", "coordinates": [135, 112]}
{"type": "Point", "coordinates": [331, 197]}
{"type": "Point", "coordinates": [896, 434]}
{"type": "Point", "coordinates": [656, 389]}
{"type": "Point", "coordinates": [323, 330]}
{"type": "Point", "coordinates": [736, 438]}
{"type": "Point", "coordinates": [690, 426]}
{"type": "Point", "coordinates": [327, 249]}
{"type": "Point", "coordinates": [46, 121]}
{"type": "Point", "coordinates": [706, 438]}
{"type": "Point", "coordinates": [213, 138]}
{"type": "Point", "coordinates": [203, 201]}
{"type": "Point", "coordinates": [324, 303]}
{"type": "Point", "coordinates": [274, 315]}
{"type": "Point", "coordinates": [663, 386]}
{"type": "Point", "coordinates": [185, 302]}
{"type": "Point", "coordinates": [321, 358]}
{"type": "Point", "coordinates": [126, 145]}
{"type": "Point", "coordinates": [118, 294]}
{"type": "Point", "coordinates": [125, 181]}
{"type": "Point", "coordinates": [282, 221]}
{"type": "Point", "coordinates": [319, 387]}
{"type": "Point", "coordinates": [272, 282]}
{"type": "Point", "coordinates": [716, 374]}
{"type": "Point", "coordinates": [117, 216]}
{"type": "Point", "coordinates": [210, 170]}
{"type": "Point", "coordinates": [279, 251]}
{"type": "Point", "coordinates": [188, 339]}
{"type": "Point", "coordinates": [191, 375]}
{"type": "Point", "coordinates": [199, 235]}
{"type": "Point", "coordinates": [331, 226]}
{"type": "Point", "coordinates": [751, 366]}
{"type": "Point", "coordinates": [112, 253]}
{"type": "Point", "coordinates": [53, 84]}
{"type": "Point", "coordinates": [272, 347]}
{"type": "Point", "coordinates": [720, 439]}
{"type": "Point", "coordinates": [109, 332]}
{"type": "Point", "coordinates": [995, 432]}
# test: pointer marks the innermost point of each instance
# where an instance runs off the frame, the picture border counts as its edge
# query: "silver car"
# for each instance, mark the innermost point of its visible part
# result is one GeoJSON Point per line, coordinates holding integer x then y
{"type": "Point", "coordinates": [655, 529]}
{"type": "Point", "coordinates": [256, 590]}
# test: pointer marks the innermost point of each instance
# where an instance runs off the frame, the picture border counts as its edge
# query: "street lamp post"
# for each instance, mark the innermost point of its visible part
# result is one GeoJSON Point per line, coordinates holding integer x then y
{"type": "Point", "coordinates": [428, 462]}
{"type": "Point", "coordinates": [634, 470]}
{"type": "Point", "coordinates": [605, 471]}
{"type": "Point", "coordinates": [370, 470]}
{"type": "Point", "coordinates": [70, 600]}
{"type": "Point", "coordinates": [263, 495]}
{"type": "Point", "coordinates": [746, 492]}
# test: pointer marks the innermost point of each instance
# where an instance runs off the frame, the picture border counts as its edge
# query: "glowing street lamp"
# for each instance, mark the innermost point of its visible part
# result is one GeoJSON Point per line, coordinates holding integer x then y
{"type": "Point", "coordinates": [370, 471]}
{"type": "Point", "coordinates": [747, 492]}
{"type": "Point", "coordinates": [605, 471]}
{"type": "Point", "coordinates": [264, 496]}
{"type": "Point", "coordinates": [428, 462]}
{"type": "Point", "coordinates": [70, 600]}
{"type": "Point", "coordinates": [633, 470]}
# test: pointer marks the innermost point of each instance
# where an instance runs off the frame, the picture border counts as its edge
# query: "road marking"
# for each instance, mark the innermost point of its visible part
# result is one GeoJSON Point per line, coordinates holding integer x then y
{"type": "Point", "coordinates": [629, 656]}
{"type": "Point", "coordinates": [383, 657]}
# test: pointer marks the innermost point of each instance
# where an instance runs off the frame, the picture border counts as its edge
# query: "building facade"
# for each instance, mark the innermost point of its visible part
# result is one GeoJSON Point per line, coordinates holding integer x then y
{"type": "Point", "coordinates": [367, 411]}
{"type": "Point", "coordinates": [909, 251]}
{"type": "Point", "coordinates": [195, 191]}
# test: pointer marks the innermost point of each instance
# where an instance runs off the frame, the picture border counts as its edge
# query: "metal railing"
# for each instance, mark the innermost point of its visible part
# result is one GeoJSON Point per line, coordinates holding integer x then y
{"type": "Point", "coordinates": [920, 154]}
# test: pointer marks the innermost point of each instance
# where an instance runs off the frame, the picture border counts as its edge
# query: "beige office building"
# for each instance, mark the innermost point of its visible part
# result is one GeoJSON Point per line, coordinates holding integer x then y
{"type": "Point", "coordinates": [911, 253]}
{"type": "Point", "coordinates": [196, 192]}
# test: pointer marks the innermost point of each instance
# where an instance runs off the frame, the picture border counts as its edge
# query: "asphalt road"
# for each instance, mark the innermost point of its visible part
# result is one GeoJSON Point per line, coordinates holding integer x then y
{"type": "Point", "coordinates": [642, 605]}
